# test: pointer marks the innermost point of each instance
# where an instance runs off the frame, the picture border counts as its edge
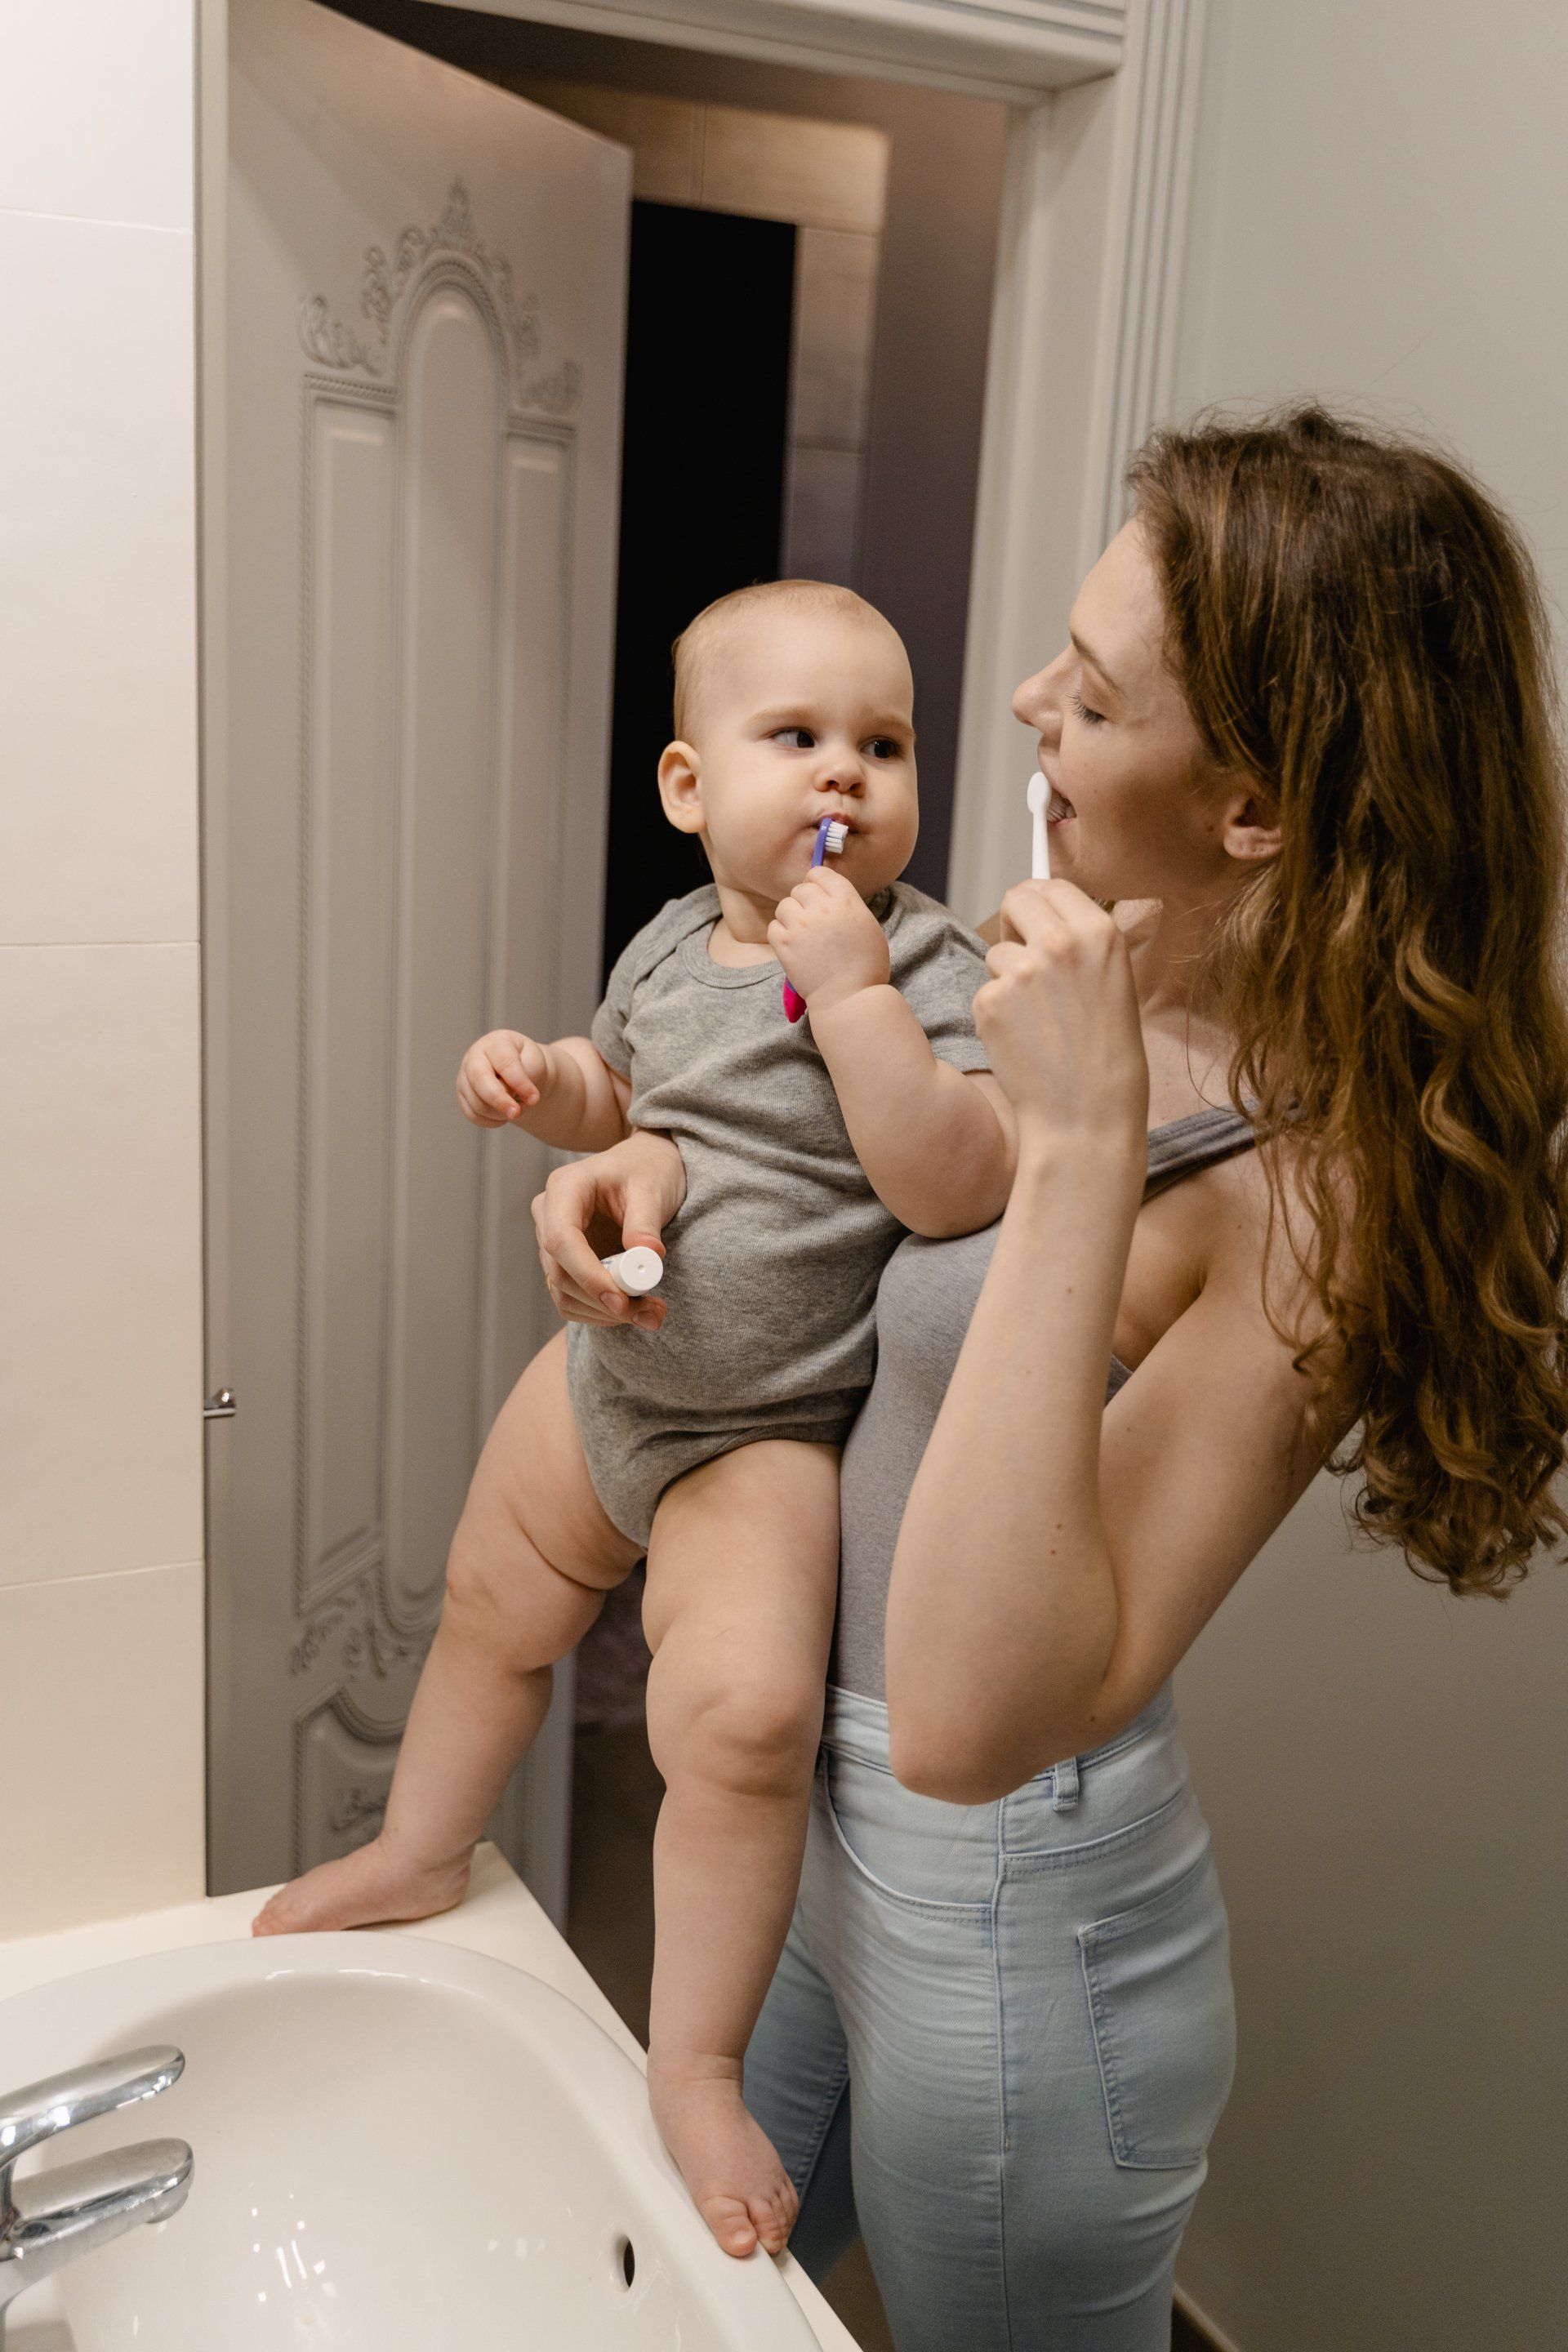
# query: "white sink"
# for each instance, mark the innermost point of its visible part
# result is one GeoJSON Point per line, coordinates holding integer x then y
{"type": "Point", "coordinates": [400, 2146]}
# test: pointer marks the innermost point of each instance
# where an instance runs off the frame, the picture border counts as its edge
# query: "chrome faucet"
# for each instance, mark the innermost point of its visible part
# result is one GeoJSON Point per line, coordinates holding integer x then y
{"type": "Point", "coordinates": [47, 2220]}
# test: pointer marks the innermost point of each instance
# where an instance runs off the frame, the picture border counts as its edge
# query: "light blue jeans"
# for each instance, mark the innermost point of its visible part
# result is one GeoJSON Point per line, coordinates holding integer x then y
{"type": "Point", "coordinates": [999, 2040]}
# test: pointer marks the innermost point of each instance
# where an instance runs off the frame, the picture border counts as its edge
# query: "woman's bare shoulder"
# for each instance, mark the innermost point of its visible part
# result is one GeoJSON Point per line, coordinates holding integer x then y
{"type": "Point", "coordinates": [1260, 1240]}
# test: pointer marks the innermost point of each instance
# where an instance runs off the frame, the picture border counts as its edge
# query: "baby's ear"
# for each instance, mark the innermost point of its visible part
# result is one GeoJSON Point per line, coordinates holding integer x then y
{"type": "Point", "coordinates": [680, 788]}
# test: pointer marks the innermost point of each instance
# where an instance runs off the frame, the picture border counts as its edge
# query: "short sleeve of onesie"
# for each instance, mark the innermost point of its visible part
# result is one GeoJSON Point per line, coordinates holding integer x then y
{"type": "Point", "coordinates": [609, 1030]}
{"type": "Point", "coordinates": [643, 954]}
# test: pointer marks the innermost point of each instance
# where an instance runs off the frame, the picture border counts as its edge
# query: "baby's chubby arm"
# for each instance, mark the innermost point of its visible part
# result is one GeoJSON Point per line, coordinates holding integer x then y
{"type": "Point", "coordinates": [565, 1094]}
{"type": "Point", "coordinates": [936, 1142]}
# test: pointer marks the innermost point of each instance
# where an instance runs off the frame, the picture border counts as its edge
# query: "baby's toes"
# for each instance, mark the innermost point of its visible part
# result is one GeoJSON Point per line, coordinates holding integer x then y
{"type": "Point", "coordinates": [273, 1918]}
{"type": "Point", "coordinates": [730, 2223]}
{"type": "Point", "coordinates": [773, 2216]}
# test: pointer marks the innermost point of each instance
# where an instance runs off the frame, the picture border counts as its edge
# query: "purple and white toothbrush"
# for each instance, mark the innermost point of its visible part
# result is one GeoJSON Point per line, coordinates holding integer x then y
{"type": "Point", "coordinates": [831, 836]}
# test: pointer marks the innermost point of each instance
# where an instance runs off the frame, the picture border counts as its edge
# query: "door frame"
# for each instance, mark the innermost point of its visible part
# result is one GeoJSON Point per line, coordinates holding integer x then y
{"type": "Point", "coordinates": [1081, 361]}
{"type": "Point", "coordinates": [1085, 314]}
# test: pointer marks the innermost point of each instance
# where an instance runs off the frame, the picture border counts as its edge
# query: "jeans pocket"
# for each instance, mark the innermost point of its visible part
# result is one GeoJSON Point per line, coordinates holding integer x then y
{"type": "Point", "coordinates": [916, 1852]}
{"type": "Point", "coordinates": [1164, 2014]}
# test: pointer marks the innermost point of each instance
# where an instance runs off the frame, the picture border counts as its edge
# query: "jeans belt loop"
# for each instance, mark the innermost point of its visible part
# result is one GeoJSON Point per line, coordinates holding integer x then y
{"type": "Point", "coordinates": [1064, 1785]}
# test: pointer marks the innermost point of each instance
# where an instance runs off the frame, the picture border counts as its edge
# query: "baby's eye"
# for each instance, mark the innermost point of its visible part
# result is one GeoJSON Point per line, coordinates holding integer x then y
{"type": "Point", "coordinates": [795, 739]}
{"type": "Point", "coordinates": [884, 746]}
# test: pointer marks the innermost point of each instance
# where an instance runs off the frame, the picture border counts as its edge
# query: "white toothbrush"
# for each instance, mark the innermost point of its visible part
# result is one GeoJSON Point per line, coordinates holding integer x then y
{"type": "Point", "coordinates": [1039, 793]}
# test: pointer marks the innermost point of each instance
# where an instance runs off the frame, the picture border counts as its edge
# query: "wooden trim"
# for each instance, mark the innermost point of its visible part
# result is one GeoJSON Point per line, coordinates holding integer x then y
{"type": "Point", "coordinates": [1082, 356]}
{"type": "Point", "coordinates": [1198, 2319]}
{"type": "Point", "coordinates": [1006, 50]}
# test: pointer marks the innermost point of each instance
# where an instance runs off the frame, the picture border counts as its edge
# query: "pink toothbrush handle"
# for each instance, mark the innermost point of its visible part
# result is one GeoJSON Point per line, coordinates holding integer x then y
{"type": "Point", "coordinates": [794, 1005]}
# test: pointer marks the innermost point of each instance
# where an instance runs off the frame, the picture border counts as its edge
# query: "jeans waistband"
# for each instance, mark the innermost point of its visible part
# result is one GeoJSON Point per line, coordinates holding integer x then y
{"type": "Point", "coordinates": [856, 1726]}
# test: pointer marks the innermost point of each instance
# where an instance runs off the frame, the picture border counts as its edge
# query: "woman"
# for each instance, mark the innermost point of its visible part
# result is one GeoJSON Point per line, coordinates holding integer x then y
{"type": "Point", "coordinates": [1287, 1048]}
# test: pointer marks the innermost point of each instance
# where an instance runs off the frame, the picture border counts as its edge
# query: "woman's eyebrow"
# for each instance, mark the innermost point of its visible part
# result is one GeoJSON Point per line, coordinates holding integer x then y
{"type": "Point", "coordinates": [1094, 661]}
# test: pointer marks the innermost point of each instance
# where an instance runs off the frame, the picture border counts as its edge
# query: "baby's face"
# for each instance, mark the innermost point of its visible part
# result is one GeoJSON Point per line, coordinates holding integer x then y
{"type": "Point", "coordinates": [800, 715]}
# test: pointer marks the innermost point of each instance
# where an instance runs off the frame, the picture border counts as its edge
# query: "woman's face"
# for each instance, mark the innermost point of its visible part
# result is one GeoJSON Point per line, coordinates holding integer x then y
{"type": "Point", "coordinates": [1149, 810]}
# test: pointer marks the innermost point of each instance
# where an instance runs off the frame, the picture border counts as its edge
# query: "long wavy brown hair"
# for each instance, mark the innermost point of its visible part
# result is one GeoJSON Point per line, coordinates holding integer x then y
{"type": "Point", "coordinates": [1357, 627]}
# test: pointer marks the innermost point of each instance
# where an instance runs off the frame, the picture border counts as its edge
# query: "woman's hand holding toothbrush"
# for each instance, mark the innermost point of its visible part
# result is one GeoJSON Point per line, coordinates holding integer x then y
{"type": "Point", "coordinates": [619, 1199]}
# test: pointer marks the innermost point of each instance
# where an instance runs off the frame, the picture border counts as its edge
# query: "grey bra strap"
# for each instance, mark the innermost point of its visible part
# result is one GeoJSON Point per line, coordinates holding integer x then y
{"type": "Point", "coordinates": [1195, 1141]}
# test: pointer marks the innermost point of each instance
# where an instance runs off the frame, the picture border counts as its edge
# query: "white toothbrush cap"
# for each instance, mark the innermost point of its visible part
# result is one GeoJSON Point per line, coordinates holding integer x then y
{"type": "Point", "coordinates": [636, 1270]}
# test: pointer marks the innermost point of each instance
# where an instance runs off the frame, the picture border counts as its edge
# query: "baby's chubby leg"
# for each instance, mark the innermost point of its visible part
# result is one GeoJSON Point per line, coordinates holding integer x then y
{"type": "Point", "coordinates": [526, 1576]}
{"type": "Point", "coordinates": [743, 1574]}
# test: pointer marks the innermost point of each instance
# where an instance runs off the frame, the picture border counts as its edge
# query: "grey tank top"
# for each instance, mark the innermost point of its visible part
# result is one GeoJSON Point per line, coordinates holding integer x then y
{"type": "Point", "coordinates": [926, 1298]}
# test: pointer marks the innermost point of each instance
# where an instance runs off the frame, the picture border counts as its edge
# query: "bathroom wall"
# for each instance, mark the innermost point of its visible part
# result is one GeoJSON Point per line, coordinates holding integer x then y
{"type": "Point", "coordinates": [101, 1503]}
{"type": "Point", "coordinates": [1379, 217]}
{"type": "Point", "coordinates": [933, 311]}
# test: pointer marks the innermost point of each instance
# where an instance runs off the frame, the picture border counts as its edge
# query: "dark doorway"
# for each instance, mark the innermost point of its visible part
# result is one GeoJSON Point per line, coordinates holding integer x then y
{"type": "Point", "coordinates": [708, 353]}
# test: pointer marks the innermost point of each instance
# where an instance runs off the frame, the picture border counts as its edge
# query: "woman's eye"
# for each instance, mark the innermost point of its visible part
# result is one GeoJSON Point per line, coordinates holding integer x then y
{"type": "Point", "coordinates": [1091, 718]}
{"type": "Point", "coordinates": [796, 738]}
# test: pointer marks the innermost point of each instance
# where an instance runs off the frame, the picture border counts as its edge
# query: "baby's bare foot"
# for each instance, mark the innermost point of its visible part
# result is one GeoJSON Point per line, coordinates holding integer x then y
{"type": "Point", "coordinates": [726, 2159]}
{"type": "Point", "coordinates": [361, 1889]}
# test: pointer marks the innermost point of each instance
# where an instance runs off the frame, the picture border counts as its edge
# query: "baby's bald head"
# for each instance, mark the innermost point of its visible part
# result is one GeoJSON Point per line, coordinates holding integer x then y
{"type": "Point", "coordinates": [700, 646]}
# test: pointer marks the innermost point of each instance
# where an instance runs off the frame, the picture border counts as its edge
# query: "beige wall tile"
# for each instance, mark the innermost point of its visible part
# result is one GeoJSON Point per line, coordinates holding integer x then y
{"type": "Point", "coordinates": [100, 1260]}
{"type": "Point", "coordinates": [102, 1744]}
{"type": "Point", "coordinates": [98, 689]}
{"type": "Point", "coordinates": [660, 131]}
{"type": "Point", "coordinates": [95, 110]}
{"type": "Point", "coordinates": [822, 174]}
{"type": "Point", "coordinates": [822, 515]}
{"type": "Point", "coordinates": [835, 336]}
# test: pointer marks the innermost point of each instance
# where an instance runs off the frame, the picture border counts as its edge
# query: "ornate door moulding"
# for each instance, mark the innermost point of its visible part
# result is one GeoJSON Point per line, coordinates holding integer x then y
{"type": "Point", "coordinates": [390, 293]}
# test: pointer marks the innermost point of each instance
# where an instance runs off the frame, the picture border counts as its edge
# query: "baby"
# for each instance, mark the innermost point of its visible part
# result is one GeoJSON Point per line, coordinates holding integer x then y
{"type": "Point", "coordinates": [711, 1441]}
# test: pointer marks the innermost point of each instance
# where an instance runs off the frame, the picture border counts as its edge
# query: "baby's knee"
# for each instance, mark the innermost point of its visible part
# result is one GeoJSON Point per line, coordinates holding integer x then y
{"type": "Point", "coordinates": [752, 1734]}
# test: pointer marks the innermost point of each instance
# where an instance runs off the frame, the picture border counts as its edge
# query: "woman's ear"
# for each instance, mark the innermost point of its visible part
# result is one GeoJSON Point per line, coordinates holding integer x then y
{"type": "Point", "coordinates": [679, 787]}
{"type": "Point", "coordinates": [1250, 831]}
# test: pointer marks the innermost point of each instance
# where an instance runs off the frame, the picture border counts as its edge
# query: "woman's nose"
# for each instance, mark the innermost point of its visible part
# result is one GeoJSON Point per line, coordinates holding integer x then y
{"type": "Point", "coordinates": [1036, 701]}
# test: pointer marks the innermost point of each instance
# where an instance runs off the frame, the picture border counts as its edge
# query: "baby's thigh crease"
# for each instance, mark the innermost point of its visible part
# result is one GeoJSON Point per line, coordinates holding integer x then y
{"type": "Point", "coordinates": [531, 1502]}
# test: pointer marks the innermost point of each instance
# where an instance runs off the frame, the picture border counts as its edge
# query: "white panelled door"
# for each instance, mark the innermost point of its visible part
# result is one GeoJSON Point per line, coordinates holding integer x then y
{"type": "Point", "coordinates": [425, 302]}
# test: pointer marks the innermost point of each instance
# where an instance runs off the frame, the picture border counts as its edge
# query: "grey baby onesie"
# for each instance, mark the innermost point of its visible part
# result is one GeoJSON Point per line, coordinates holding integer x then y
{"type": "Point", "coordinates": [772, 1263]}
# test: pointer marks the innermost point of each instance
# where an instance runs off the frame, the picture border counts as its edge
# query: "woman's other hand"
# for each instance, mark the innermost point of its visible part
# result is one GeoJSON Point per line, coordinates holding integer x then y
{"type": "Point", "coordinates": [591, 1208]}
{"type": "Point", "coordinates": [1059, 1019]}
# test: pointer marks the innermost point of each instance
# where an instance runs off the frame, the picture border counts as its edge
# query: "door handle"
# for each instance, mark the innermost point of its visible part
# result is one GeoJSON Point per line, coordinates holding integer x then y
{"type": "Point", "coordinates": [222, 1405]}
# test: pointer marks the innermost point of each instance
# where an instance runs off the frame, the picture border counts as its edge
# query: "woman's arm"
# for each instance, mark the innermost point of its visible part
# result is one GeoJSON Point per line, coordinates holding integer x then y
{"type": "Point", "coordinates": [1057, 1558]}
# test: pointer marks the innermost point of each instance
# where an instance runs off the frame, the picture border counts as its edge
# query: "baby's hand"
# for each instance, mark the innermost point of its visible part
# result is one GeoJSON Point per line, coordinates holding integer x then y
{"type": "Point", "coordinates": [503, 1075]}
{"type": "Point", "coordinates": [828, 941]}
